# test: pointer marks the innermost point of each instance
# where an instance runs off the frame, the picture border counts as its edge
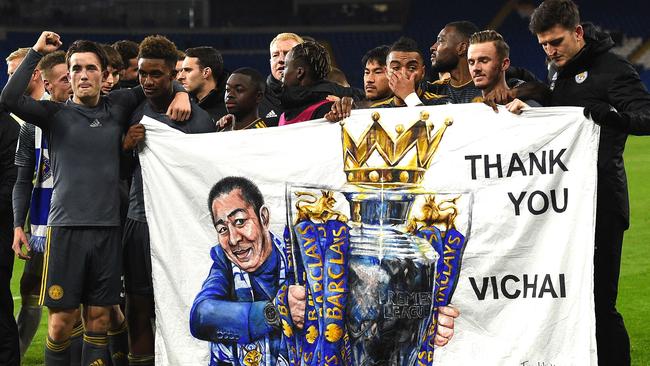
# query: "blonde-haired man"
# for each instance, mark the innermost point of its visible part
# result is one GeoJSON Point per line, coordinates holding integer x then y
{"type": "Point", "coordinates": [271, 107]}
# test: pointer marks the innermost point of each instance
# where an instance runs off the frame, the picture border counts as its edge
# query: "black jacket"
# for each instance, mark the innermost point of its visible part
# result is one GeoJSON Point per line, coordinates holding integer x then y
{"type": "Point", "coordinates": [213, 104]}
{"type": "Point", "coordinates": [9, 129]}
{"type": "Point", "coordinates": [598, 76]}
{"type": "Point", "coordinates": [272, 107]}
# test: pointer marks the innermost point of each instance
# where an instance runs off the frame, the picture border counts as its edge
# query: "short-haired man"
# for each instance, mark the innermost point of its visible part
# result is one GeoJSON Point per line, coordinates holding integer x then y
{"type": "Point", "coordinates": [201, 73]}
{"type": "Point", "coordinates": [128, 50]}
{"type": "Point", "coordinates": [488, 58]}
{"type": "Point", "coordinates": [54, 73]}
{"type": "Point", "coordinates": [244, 93]}
{"type": "Point", "coordinates": [271, 106]}
{"type": "Point", "coordinates": [35, 89]}
{"type": "Point", "coordinates": [449, 55]}
{"type": "Point", "coordinates": [234, 309]}
{"type": "Point", "coordinates": [179, 63]}
{"type": "Point", "coordinates": [84, 135]}
{"type": "Point", "coordinates": [405, 72]}
{"type": "Point", "coordinates": [156, 70]}
{"type": "Point", "coordinates": [585, 73]}
{"type": "Point", "coordinates": [375, 79]}
{"type": "Point", "coordinates": [115, 67]}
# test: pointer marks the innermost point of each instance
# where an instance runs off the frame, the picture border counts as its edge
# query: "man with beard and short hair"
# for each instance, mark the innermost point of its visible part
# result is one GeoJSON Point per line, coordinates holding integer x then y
{"type": "Point", "coordinates": [585, 72]}
{"type": "Point", "coordinates": [156, 69]}
{"type": "Point", "coordinates": [488, 57]}
{"type": "Point", "coordinates": [128, 50]}
{"type": "Point", "coordinates": [83, 251]}
{"type": "Point", "coordinates": [449, 55]}
{"type": "Point", "coordinates": [201, 73]}
{"type": "Point", "coordinates": [244, 92]}
{"type": "Point", "coordinates": [375, 81]}
{"type": "Point", "coordinates": [115, 67]}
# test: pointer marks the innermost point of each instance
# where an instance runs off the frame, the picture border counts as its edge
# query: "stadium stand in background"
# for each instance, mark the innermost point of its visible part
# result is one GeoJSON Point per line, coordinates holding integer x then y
{"type": "Point", "coordinates": [242, 29]}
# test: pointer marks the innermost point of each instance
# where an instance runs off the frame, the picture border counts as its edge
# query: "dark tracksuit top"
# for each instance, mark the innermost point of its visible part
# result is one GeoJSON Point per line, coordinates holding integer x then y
{"type": "Point", "coordinates": [85, 145]}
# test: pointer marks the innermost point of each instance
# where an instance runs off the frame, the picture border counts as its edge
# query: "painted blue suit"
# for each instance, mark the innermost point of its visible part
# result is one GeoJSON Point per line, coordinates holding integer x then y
{"type": "Point", "coordinates": [228, 311]}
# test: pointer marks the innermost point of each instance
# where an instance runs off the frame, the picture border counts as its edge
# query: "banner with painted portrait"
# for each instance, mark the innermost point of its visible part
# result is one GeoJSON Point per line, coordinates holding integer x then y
{"type": "Point", "coordinates": [382, 218]}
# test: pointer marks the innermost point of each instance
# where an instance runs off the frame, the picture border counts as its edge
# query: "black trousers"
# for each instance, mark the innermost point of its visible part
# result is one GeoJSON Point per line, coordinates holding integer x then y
{"type": "Point", "coordinates": [611, 336]}
{"type": "Point", "coordinates": [9, 353]}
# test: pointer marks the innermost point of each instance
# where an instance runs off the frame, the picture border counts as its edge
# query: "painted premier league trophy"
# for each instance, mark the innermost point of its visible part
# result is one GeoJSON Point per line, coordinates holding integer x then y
{"type": "Point", "coordinates": [371, 278]}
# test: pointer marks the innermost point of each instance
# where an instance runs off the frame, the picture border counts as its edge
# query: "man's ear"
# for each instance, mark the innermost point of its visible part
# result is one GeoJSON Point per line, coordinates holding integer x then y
{"type": "Point", "coordinates": [47, 86]}
{"type": "Point", "coordinates": [259, 97]}
{"type": "Point", "coordinates": [36, 74]}
{"type": "Point", "coordinates": [579, 32]}
{"type": "Point", "coordinates": [264, 216]}
{"type": "Point", "coordinates": [505, 64]}
{"type": "Point", "coordinates": [207, 71]}
{"type": "Point", "coordinates": [300, 73]}
{"type": "Point", "coordinates": [462, 48]}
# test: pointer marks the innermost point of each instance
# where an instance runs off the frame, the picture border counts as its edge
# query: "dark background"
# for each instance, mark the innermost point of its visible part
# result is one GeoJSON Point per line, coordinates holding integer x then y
{"type": "Point", "coordinates": [242, 29]}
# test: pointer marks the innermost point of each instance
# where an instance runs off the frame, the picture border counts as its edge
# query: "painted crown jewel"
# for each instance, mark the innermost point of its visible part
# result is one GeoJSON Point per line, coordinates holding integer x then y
{"type": "Point", "coordinates": [391, 160]}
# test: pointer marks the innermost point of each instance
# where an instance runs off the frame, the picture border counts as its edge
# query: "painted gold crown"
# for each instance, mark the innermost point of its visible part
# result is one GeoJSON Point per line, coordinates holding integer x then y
{"type": "Point", "coordinates": [379, 158]}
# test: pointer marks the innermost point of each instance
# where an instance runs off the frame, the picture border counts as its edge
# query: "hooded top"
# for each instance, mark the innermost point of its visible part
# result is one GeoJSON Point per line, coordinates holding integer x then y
{"type": "Point", "coordinates": [273, 104]}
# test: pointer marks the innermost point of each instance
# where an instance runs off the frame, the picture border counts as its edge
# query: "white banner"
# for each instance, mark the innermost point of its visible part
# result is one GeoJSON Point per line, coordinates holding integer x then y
{"type": "Point", "coordinates": [525, 286]}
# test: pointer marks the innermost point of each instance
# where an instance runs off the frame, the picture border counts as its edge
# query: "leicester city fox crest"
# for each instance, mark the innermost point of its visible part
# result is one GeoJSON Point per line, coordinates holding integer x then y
{"type": "Point", "coordinates": [581, 77]}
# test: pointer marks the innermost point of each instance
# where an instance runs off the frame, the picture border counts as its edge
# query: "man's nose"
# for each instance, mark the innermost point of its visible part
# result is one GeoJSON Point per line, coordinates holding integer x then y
{"type": "Point", "coordinates": [235, 236]}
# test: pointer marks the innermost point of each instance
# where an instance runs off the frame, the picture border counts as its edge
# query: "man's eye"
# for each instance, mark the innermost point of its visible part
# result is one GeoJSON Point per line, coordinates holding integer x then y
{"type": "Point", "coordinates": [222, 229]}
{"type": "Point", "coordinates": [239, 222]}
